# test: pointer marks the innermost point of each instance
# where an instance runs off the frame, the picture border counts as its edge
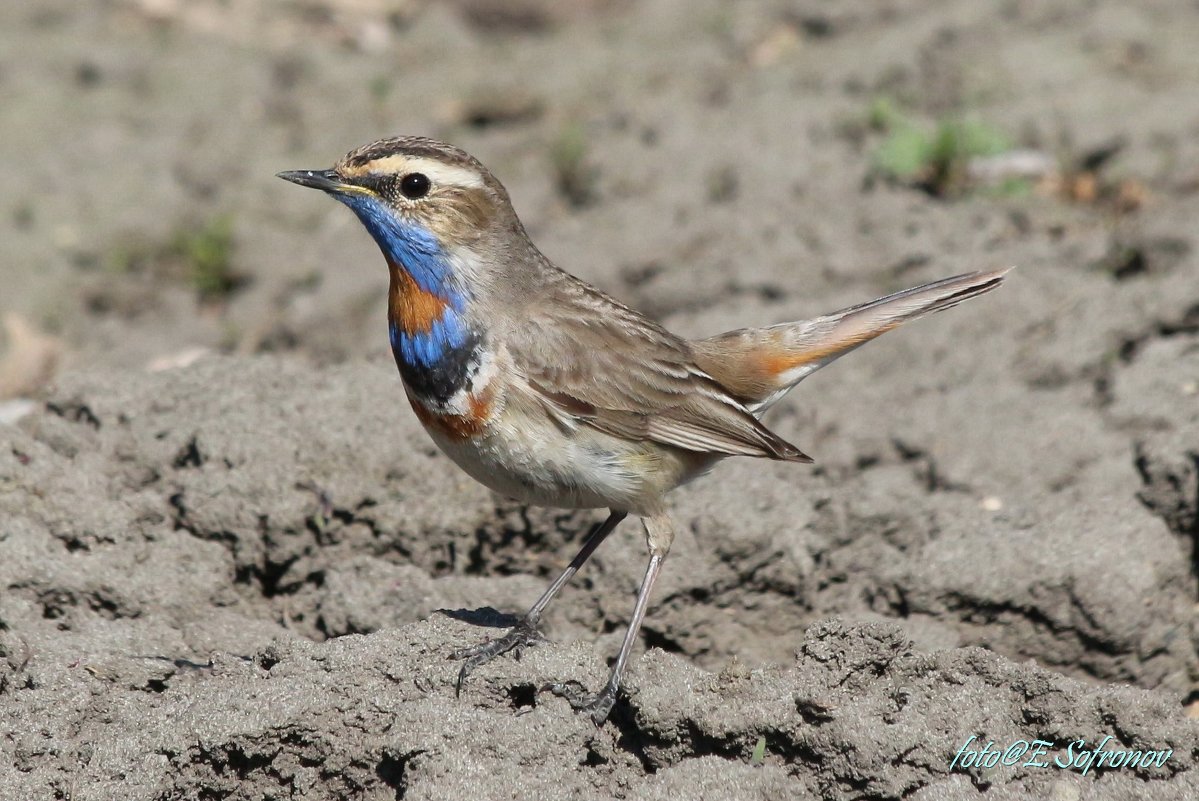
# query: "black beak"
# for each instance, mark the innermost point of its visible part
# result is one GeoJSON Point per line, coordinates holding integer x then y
{"type": "Point", "coordinates": [325, 180]}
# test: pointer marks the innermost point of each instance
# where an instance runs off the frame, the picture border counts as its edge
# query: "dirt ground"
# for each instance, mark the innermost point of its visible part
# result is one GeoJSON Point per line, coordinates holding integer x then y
{"type": "Point", "coordinates": [232, 566]}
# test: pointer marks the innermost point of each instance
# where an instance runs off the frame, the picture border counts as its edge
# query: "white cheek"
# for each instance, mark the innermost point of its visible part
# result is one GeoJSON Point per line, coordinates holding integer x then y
{"type": "Point", "coordinates": [466, 267]}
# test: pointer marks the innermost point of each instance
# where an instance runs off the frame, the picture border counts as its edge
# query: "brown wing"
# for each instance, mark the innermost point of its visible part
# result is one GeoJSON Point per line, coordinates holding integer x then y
{"type": "Point", "coordinates": [593, 361]}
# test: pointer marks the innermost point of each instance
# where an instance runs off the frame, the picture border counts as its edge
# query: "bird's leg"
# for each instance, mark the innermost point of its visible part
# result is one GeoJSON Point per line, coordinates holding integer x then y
{"type": "Point", "coordinates": [525, 632]}
{"type": "Point", "coordinates": [659, 533]}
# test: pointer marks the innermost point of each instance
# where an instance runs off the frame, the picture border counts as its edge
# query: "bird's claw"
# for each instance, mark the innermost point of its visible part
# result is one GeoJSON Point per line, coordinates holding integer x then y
{"type": "Point", "coordinates": [521, 635]}
{"type": "Point", "coordinates": [599, 705]}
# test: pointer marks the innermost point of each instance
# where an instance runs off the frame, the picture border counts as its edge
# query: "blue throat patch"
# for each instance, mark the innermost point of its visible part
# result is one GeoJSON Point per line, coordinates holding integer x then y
{"type": "Point", "coordinates": [410, 245]}
{"type": "Point", "coordinates": [428, 348]}
{"type": "Point", "coordinates": [439, 362]}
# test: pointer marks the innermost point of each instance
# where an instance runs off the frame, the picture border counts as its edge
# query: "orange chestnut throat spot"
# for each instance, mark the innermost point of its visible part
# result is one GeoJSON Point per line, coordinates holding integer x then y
{"type": "Point", "coordinates": [412, 309]}
{"type": "Point", "coordinates": [457, 426]}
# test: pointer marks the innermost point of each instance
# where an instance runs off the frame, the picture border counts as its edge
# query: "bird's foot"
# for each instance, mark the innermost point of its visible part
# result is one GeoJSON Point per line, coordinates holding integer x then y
{"type": "Point", "coordinates": [521, 635]}
{"type": "Point", "coordinates": [599, 705]}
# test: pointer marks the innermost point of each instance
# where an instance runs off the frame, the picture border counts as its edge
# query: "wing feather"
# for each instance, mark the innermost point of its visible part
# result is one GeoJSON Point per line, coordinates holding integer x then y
{"type": "Point", "coordinates": [593, 361]}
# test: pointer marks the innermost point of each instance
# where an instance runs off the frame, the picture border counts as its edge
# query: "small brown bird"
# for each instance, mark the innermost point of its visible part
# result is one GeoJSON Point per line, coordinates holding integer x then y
{"type": "Point", "coordinates": [547, 390]}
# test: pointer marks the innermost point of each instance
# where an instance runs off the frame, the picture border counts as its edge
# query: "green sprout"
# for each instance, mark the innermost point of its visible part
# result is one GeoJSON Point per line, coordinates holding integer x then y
{"type": "Point", "coordinates": [380, 88]}
{"type": "Point", "coordinates": [759, 753]}
{"type": "Point", "coordinates": [207, 257]}
{"type": "Point", "coordinates": [574, 176]}
{"type": "Point", "coordinates": [937, 158]}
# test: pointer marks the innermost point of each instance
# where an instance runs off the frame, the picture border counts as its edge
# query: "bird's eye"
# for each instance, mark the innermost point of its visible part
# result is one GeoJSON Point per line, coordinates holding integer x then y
{"type": "Point", "coordinates": [414, 185]}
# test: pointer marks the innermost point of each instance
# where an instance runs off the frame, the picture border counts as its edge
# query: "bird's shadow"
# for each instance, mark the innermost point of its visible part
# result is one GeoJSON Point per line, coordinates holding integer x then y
{"type": "Point", "coordinates": [486, 616]}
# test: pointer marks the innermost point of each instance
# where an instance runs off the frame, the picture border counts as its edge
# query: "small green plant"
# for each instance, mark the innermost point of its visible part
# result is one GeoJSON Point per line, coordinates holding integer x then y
{"type": "Point", "coordinates": [935, 158]}
{"type": "Point", "coordinates": [905, 154]}
{"type": "Point", "coordinates": [206, 254]}
{"type": "Point", "coordinates": [574, 176]}
{"type": "Point", "coordinates": [380, 88]}
{"type": "Point", "coordinates": [883, 115]}
{"type": "Point", "coordinates": [759, 754]}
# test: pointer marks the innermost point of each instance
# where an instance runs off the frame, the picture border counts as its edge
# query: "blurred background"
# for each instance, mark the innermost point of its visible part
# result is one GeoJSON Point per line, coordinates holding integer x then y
{"type": "Point", "coordinates": [675, 153]}
{"type": "Point", "coordinates": [214, 455]}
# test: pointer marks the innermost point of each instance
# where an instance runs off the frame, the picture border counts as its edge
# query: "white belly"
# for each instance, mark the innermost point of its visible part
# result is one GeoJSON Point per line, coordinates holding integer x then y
{"type": "Point", "coordinates": [585, 470]}
{"type": "Point", "coordinates": [518, 450]}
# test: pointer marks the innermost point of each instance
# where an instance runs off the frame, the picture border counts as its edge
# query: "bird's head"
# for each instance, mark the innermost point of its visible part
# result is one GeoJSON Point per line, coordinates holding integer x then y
{"type": "Point", "coordinates": [425, 202]}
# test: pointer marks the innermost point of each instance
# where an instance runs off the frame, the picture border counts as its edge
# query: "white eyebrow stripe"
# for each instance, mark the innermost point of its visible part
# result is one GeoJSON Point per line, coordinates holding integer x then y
{"type": "Point", "coordinates": [439, 172]}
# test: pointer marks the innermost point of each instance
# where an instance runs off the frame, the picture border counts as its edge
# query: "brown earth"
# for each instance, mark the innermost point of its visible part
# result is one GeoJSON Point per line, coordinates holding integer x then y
{"type": "Point", "coordinates": [233, 566]}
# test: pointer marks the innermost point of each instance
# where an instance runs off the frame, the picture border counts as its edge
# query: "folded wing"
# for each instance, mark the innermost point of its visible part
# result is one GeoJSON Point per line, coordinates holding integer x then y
{"type": "Point", "coordinates": [592, 361]}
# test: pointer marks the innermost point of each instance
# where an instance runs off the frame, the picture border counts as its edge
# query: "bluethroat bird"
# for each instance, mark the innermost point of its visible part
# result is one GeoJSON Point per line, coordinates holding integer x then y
{"type": "Point", "coordinates": [551, 392]}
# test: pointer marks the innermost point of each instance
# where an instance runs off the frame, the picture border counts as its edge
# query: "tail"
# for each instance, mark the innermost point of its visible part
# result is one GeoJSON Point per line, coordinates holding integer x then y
{"type": "Point", "coordinates": [760, 365]}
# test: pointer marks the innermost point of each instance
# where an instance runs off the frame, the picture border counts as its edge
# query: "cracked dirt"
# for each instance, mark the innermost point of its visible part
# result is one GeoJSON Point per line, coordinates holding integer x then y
{"type": "Point", "coordinates": [232, 566]}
